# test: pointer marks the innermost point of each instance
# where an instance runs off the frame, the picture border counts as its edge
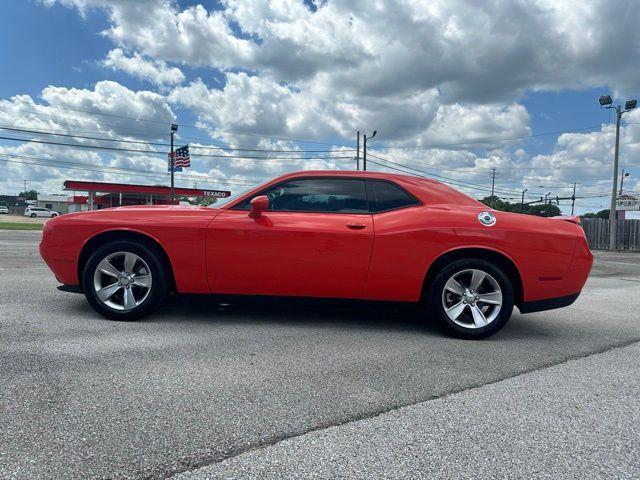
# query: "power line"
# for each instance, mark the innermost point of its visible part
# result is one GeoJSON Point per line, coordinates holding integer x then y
{"type": "Point", "coordinates": [86, 120]}
{"type": "Point", "coordinates": [476, 188]}
{"type": "Point", "coordinates": [452, 180]}
{"type": "Point", "coordinates": [107, 168]}
{"type": "Point", "coordinates": [117, 149]}
{"type": "Point", "coordinates": [160, 122]}
{"type": "Point", "coordinates": [487, 140]}
{"type": "Point", "coordinates": [290, 139]}
{"type": "Point", "coordinates": [65, 164]}
{"type": "Point", "coordinates": [119, 140]}
{"type": "Point", "coordinates": [141, 132]}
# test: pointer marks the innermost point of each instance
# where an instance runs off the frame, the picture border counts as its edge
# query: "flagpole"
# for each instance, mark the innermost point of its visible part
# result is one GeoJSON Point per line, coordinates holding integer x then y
{"type": "Point", "coordinates": [174, 128]}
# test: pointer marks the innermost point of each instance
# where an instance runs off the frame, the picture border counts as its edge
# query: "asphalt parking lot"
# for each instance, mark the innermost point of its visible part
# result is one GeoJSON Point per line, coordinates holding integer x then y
{"type": "Point", "coordinates": [245, 390]}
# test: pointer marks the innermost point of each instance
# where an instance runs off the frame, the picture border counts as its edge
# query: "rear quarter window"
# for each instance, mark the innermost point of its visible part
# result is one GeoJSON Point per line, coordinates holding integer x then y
{"type": "Point", "coordinates": [384, 196]}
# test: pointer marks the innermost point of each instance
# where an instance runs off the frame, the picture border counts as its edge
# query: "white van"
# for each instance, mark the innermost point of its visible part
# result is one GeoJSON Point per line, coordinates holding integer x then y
{"type": "Point", "coordinates": [34, 212]}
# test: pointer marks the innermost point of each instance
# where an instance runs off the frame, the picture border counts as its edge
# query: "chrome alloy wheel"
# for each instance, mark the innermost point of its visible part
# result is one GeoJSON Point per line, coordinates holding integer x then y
{"type": "Point", "coordinates": [122, 280]}
{"type": "Point", "coordinates": [472, 298]}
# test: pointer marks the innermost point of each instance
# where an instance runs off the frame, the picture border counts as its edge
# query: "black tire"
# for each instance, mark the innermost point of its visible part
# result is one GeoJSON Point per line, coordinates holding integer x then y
{"type": "Point", "coordinates": [33, 215]}
{"type": "Point", "coordinates": [436, 307]}
{"type": "Point", "coordinates": [157, 292]}
{"type": "Point", "coordinates": [54, 215]}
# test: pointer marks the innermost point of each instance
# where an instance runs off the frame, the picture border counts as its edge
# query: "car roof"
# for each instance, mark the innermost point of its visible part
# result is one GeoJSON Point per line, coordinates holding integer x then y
{"type": "Point", "coordinates": [355, 174]}
{"type": "Point", "coordinates": [427, 190]}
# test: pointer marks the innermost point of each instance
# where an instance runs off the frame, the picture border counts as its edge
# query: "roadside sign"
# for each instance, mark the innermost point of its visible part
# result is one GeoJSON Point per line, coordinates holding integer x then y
{"type": "Point", "coordinates": [216, 193]}
{"type": "Point", "coordinates": [627, 202]}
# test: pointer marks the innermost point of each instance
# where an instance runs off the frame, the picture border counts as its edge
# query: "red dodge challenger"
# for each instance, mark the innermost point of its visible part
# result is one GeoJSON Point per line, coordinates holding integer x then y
{"type": "Point", "coordinates": [358, 235]}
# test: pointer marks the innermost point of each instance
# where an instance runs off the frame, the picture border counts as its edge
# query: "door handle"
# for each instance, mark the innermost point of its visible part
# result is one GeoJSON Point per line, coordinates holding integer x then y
{"type": "Point", "coordinates": [356, 226]}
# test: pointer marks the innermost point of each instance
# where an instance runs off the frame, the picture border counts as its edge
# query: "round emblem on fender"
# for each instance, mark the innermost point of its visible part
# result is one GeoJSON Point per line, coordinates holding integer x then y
{"type": "Point", "coordinates": [487, 218]}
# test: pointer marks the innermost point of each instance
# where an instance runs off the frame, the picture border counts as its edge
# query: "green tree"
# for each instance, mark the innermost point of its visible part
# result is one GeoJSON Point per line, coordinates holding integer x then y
{"type": "Point", "coordinates": [601, 214]}
{"type": "Point", "coordinates": [29, 195]}
{"type": "Point", "coordinates": [589, 215]}
{"type": "Point", "coordinates": [544, 210]}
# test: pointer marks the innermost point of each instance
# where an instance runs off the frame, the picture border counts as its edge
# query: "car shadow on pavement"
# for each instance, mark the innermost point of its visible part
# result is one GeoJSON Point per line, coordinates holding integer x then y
{"type": "Point", "coordinates": [296, 312]}
{"type": "Point", "coordinates": [320, 313]}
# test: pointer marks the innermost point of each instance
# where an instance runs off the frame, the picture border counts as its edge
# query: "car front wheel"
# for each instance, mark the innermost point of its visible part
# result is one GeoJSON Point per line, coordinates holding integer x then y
{"type": "Point", "coordinates": [124, 280]}
{"type": "Point", "coordinates": [33, 215]}
{"type": "Point", "coordinates": [471, 298]}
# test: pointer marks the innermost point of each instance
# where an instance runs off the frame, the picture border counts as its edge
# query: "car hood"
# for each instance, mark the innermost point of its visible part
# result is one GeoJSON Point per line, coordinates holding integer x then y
{"type": "Point", "coordinates": [136, 211]}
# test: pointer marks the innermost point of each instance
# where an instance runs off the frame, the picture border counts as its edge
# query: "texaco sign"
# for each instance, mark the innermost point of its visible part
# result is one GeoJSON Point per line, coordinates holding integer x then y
{"type": "Point", "coordinates": [217, 193]}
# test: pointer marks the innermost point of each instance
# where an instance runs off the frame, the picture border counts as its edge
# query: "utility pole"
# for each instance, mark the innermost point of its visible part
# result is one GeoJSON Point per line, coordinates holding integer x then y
{"type": "Point", "coordinates": [358, 150]}
{"type": "Point", "coordinates": [25, 188]}
{"type": "Point", "coordinates": [523, 192]}
{"type": "Point", "coordinates": [605, 101]}
{"type": "Point", "coordinates": [573, 198]}
{"type": "Point", "coordinates": [172, 163]}
{"type": "Point", "coordinates": [493, 186]}
{"type": "Point", "coordinates": [364, 150]}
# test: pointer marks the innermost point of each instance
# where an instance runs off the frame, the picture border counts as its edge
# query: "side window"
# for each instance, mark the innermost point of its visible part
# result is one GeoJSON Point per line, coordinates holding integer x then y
{"type": "Point", "coordinates": [385, 196]}
{"type": "Point", "coordinates": [332, 195]}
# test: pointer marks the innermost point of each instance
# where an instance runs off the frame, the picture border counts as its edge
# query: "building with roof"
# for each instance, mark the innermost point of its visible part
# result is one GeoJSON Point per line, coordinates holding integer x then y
{"type": "Point", "coordinates": [97, 195]}
{"type": "Point", "coordinates": [58, 203]}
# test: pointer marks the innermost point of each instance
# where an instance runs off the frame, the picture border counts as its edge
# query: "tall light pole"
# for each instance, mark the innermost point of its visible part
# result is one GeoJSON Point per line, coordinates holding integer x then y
{"type": "Point", "coordinates": [573, 198]}
{"type": "Point", "coordinates": [172, 162]}
{"type": "Point", "coordinates": [523, 192]}
{"type": "Point", "coordinates": [605, 101]}
{"type": "Point", "coordinates": [493, 187]}
{"type": "Point", "coordinates": [623, 175]}
{"type": "Point", "coordinates": [364, 150]}
{"type": "Point", "coordinates": [358, 150]}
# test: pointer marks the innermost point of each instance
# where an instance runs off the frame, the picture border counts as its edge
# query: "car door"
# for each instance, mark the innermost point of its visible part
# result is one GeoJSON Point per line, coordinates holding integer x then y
{"type": "Point", "coordinates": [315, 239]}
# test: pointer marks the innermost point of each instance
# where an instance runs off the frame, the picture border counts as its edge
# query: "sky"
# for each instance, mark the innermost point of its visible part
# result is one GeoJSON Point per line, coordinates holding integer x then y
{"type": "Point", "coordinates": [454, 89]}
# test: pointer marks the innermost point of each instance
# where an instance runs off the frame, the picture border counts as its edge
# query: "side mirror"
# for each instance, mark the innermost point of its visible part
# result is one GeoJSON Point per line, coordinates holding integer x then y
{"type": "Point", "coordinates": [258, 205]}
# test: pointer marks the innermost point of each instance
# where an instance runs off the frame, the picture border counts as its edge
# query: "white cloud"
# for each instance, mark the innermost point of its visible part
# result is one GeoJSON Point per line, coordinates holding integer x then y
{"type": "Point", "coordinates": [155, 71]}
{"type": "Point", "coordinates": [469, 50]}
{"type": "Point", "coordinates": [420, 72]}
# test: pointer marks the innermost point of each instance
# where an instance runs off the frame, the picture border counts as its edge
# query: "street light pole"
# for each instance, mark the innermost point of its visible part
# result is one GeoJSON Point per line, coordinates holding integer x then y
{"type": "Point", "coordinates": [573, 198]}
{"type": "Point", "coordinates": [493, 187]}
{"type": "Point", "coordinates": [605, 101]}
{"type": "Point", "coordinates": [523, 192]}
{"type": "Point", "coordinates": [622, 177]}
{"type": "Point", "coordinates": [364, 150]}
{"type": "Point", "coordinates": [612, 211]}
{"type": "Point", "coordinates": [172, 163]}
{"type": "Point", "coordinates": [358, 150]}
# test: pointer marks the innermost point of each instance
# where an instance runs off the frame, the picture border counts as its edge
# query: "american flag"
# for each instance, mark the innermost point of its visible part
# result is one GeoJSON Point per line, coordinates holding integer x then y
{"type": "Point", "coordinates": [181, 159]}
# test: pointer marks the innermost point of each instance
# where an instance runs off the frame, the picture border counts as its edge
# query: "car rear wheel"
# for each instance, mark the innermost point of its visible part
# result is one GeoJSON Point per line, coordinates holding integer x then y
{"type": "Point", "coordinates": [125, 280]}
{"type": "Point", "coordinates": [471, 298]}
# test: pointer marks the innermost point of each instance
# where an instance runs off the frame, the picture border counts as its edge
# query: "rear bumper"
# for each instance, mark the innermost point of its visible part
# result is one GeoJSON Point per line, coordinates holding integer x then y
{"type": "Point", "coordinates": [548, 303]}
